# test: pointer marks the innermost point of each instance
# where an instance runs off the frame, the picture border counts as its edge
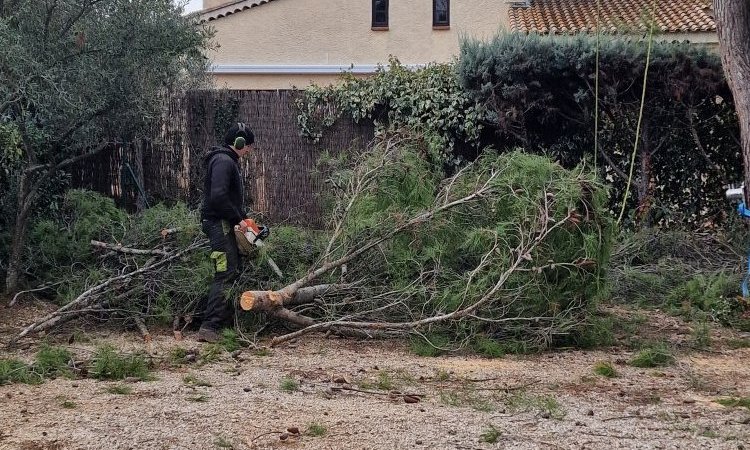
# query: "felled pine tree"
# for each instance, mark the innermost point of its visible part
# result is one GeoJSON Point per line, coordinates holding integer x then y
{"type": "Point", "coordinates": [509, 246]}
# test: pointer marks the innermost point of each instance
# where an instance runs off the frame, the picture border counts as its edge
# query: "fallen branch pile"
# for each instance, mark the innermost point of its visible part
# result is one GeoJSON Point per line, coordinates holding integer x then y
{"type": "Point", "coordinates": [510, 247]}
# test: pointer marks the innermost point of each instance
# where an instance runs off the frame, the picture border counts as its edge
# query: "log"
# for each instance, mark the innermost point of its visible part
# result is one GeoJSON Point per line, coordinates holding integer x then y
{"type": "Point", "coordinates": [272, 300]}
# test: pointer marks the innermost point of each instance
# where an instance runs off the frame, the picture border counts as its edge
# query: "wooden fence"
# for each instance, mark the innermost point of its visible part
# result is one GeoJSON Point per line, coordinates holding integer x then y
{"type": "Point", "coordinates": [281, 180]}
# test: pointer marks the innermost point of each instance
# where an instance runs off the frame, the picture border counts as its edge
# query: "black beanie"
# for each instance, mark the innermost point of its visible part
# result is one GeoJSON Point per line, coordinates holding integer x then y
{"type": "Point", "coordinates": [239, 129]}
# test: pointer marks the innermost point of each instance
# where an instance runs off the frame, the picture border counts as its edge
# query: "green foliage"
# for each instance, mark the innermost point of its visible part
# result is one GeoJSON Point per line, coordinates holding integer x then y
{"type": "Point", "coordinates": [455, 259]}
{"type": "Point", "coordinates": [490, 435]}
{"type": "Point", "coordinates": [599, 332]}
{"type": "Point", "coordinates": [428, 99]}
{"type": "Point", "coordinates": [61, 252]}
{"type": "Point", "coordinates": [55, 245]}
{"type": "Point", "coordinates": [431, 345]}
{"type": "Point", "coordinates": [605, 369]}
{"type": "Point", "coordinates": [715, 294]}
{"type": "Point", "coordinates": [120, 389]}
{"type": "Point", "coordinates": [385, 381]}
{"type": "Point", "coordinates": [177, 356]}
{"type": "Point", "coordinates": [735, 402]}
{"type": "Point", "coordinates": [52, 362]}
{"type": "Point", "coordinates": [684, 273]}
{"type": "Point", "coordinates": [289, 384]}
{"type": "Point", "coordinates": [82, 77]}
{"type": "Point", "coordinates": [230, 340]}
{"type": "Point", "coordinates": [701, 335]}
{"type": "Point", "coordinates": [16, 371]}
{"type": "Point", "coordinates": [656, 355]}
{"type": "Point", "coordinates": [68, 404]}
{"type": "Point", "coordinates": [545, 404]}
{"type": "Point", "coordinates": [316, 429]}
{"type": "Point", "coordinates": [539, 95]}
{"type": "Point", "coordinates": [488, 347]}
{"type": "Point", "coordinates": [107, 364]}
{"type": "Point", "coordinates": [211, 353]}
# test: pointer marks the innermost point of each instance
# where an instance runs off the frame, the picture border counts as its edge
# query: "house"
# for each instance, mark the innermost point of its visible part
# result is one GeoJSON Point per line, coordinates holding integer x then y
{"type": "Point", "coordinates": [279, 44]}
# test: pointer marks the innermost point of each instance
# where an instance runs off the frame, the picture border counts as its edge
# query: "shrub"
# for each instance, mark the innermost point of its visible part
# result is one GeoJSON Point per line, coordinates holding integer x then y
{"type": "Point", "coordinates": [539, 95]}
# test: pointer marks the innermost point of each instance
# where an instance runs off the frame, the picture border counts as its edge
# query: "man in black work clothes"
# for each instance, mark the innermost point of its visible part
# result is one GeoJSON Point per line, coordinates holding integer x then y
{"type": "Point", "coordinates": [223, 208]}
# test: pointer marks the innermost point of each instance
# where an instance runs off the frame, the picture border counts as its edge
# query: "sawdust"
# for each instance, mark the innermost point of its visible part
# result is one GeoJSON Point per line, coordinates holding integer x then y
{"type": "Point", "coordinates": [543, 401]}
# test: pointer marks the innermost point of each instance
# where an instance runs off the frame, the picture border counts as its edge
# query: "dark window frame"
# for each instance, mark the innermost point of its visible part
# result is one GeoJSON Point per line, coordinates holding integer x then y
{"type": "Point", "coordinates": [435, 22]}
{"type": "Point", "coordinates": [383, 25]}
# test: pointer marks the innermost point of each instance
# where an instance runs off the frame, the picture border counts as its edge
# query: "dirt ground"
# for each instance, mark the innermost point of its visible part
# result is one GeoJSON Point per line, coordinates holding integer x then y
{"type": "Point", "coordinates": [351, 394]}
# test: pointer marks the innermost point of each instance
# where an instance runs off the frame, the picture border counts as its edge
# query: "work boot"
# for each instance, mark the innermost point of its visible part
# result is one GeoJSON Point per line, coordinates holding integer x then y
{"type": "Point", "coordinates": [208, 335]}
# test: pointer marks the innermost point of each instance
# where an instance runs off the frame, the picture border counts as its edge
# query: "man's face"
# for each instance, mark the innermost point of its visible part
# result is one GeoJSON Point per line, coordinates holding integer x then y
{"type": "Point", "coordinates": [245, 150]}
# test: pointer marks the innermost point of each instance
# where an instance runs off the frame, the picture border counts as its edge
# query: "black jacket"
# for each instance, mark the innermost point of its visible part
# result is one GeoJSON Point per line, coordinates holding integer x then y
{"type": "Point", "coordinates": [223, 190]}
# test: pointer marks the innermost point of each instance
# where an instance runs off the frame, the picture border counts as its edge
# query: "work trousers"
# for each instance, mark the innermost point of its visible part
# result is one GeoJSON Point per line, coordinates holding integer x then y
{"type": "Point", "coordinates": [226, 258]}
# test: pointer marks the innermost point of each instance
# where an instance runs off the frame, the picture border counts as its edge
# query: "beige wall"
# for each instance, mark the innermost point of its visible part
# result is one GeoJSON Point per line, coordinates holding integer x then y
{"type": "Point", "coordinates": [338, 32]}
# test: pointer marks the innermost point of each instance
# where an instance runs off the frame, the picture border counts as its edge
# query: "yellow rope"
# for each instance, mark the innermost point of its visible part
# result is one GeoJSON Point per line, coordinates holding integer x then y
{"type": "Point", "coordinates": [640, 114]}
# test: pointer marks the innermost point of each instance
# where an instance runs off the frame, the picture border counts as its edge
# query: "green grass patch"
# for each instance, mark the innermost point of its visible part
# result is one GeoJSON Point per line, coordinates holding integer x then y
{"type": "Point", "coordinates": [385, 381]}
{"type": "Point", "coordinates": [68, 404]}
{"type": "Point", "coordinates": [289, 384]}
{"type": "Point", "coordinates": [120, 389]}
{"type": "Point", "coordinates": [108, 364]}
{"type": "Point", "coordinates": [230, 340]}
{"type": "Point", "coordinates": [177, 356]}
{"type": "Point", "coordinates": [52, 362]}
{"type": "Point", "coordinates": [16, 371]}
{"type": "Point", "coordinates": [490, 435]}
{"type": "Point", "coordinates": [734, 402]}
{"type": "Point", "coordinates": [657, 355]}
{"type": "Point", "coordinates": [210, 353]}
{"type": "Point", "coordinates": [316, 429]}
{"type": "Point", "coordinates": [544, 404]}
{"type": "Point", "coordinates": [605, 369]}
{"type": "Point", "coordinates": [736, 344]}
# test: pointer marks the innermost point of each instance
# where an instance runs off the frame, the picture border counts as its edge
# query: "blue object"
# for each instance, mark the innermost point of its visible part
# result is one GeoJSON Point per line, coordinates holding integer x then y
{"type": "Point", "coordinates": [743, 211]}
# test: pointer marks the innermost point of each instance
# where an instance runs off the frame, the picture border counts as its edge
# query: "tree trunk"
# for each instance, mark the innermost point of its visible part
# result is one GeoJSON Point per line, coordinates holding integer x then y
{"type": "Point", "coordinates": [733, 26]}
{"type": "Point", "coordinates": [19, 236]}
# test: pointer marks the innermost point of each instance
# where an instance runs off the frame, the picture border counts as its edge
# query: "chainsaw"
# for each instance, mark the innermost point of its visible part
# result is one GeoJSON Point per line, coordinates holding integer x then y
{"type": "Point", "coordinates": [250, 236]}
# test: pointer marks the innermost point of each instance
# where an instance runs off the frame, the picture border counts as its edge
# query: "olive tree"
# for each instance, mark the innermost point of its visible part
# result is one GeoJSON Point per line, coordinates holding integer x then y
{"type": "Point", "coordinates": [77, 77]}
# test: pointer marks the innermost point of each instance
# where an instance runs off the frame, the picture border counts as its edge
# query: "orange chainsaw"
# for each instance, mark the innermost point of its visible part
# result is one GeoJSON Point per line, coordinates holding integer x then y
{"type": "Point", "coordinates": [249, 236]}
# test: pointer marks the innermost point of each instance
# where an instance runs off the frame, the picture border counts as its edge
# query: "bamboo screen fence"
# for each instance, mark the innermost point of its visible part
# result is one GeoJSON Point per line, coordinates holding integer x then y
{"type": "Point", "coordinates": [281, 180]}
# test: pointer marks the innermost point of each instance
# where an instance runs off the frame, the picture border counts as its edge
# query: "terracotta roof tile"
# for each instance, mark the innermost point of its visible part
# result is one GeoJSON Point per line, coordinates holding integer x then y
{"type": "Point", "coordinates": [228, 8]}
{"type": "Point", "coordinates": [575, 16]}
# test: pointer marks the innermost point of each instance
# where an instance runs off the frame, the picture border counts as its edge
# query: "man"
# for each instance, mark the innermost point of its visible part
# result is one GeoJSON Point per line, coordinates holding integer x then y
{"type": "Point", "coordinates": [223, 206]}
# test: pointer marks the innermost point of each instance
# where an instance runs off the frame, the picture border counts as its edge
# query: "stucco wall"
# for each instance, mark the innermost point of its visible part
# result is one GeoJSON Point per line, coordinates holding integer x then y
{"type": "Point", "coordinates": [338, 32]}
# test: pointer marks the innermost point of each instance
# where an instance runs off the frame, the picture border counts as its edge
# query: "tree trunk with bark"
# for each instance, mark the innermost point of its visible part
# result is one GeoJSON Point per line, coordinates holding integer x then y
{"type": "Point", "coordinates": [733, 26]}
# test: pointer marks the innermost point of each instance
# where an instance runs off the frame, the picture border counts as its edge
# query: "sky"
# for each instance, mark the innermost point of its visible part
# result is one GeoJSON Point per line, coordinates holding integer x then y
{"type": "Point", "coordinates": [192, 5]}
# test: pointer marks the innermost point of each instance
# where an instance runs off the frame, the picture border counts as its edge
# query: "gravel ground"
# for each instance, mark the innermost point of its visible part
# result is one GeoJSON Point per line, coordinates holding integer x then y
{"type": "Point", "coordinates": [551, 400]}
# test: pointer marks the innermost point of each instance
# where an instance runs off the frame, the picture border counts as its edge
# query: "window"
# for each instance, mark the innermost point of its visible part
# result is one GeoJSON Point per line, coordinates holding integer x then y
{"type": "Point", "coordinates": [380, 14]}
{"type": "Point", "coordinates": [441, 14]}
